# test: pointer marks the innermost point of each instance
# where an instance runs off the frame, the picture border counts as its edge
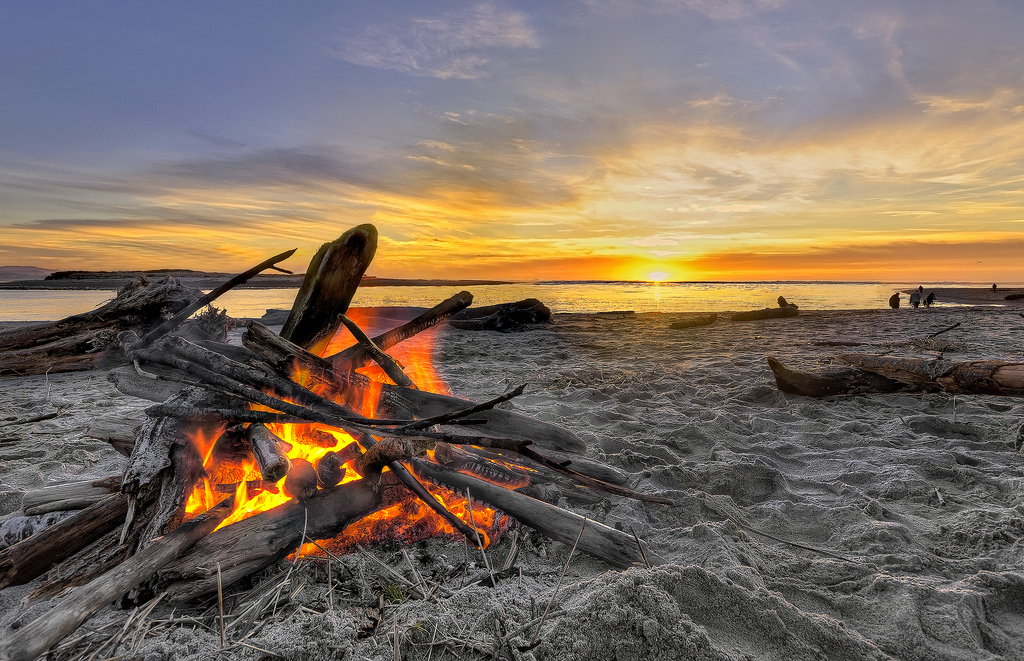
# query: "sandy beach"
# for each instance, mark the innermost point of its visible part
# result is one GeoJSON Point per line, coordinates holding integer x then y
{"type": "Point", "coordinates": [902, 515]}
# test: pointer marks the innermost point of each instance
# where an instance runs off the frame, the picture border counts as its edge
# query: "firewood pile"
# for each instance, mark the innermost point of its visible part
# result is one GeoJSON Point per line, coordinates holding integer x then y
{"type": "Point", "coordinates": [221, 439]}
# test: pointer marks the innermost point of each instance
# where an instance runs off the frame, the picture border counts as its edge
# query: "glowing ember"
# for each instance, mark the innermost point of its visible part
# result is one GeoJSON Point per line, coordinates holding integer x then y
{"type": "Point", "coordinates": [332, 453]}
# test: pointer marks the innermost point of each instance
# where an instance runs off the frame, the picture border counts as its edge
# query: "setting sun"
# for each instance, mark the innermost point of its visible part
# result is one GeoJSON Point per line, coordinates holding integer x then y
{"type": "Point", "coordinates": [657, 276]}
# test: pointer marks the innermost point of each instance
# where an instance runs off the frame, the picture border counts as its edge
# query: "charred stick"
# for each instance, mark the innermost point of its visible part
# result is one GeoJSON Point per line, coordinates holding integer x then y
{"type": "Point", "coordinates": [327, 412]}
{"type": "Point", "coordinates": [592, 482]}
{"type": "Point", "coordinates": [615, 547]}
{"type": "Point", "coordinates": [268, 417]}
{"type": "Point", "coordinates": [357, 356]}
{"type": "Point", "coordinates": [386, 362]}
{"type": "Point", "coordinates": [50, 628]}
{"type": "Point", "coordinates": [173, 322]}
{"type": "Point", "coordinates": [270, 452]}
{"type": "Point", "coordinates": [287, 357]}
{"type": "Point", "coordinates": [448, 417]}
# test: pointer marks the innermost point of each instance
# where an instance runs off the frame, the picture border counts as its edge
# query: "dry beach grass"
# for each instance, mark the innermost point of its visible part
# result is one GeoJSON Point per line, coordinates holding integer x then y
{"type": "Point", "coordinates": [902, 515]}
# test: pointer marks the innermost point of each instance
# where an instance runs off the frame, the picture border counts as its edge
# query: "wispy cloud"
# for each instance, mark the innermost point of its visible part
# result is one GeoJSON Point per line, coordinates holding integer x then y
{"type": "Point", "coordinates": [452, 45]}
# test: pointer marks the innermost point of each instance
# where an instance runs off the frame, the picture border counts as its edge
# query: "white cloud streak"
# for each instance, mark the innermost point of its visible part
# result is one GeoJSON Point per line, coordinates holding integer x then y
{"type": "Point", "coordinates": [448, 46]}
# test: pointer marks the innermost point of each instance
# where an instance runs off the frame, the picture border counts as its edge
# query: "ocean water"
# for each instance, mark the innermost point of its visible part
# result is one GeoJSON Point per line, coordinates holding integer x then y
{"type": "Point", "coordinates": [45, 305]}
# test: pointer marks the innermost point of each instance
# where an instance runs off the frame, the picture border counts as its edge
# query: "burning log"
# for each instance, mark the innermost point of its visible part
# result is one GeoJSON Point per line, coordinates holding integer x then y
{"type": "Point", "coordinates": [357, 356]}
{"type": "Point", "coordinates": [331, 280]}
{"type": "Point", "coordinates": [398, 402]}
{"type": "Point", "coordinates": [270, 451]}
{"type": "Point", "coordinates": [249, 545]}
{"type": "Point", "coordinates": [615, 547]}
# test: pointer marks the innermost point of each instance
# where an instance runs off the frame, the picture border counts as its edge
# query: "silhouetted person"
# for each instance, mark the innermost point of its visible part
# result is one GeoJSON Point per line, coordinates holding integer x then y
{"type": "Point", "coordinates": [993, 286]}
{"type": "Point", "coordinates": [929, 299]}
{"type": "Point", "coordinates": [894, 301]}
{"type": "Point", "coordinates": [915, 298]}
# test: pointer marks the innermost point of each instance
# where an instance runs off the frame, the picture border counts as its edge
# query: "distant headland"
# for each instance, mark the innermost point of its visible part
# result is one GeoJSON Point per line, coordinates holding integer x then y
{"type": "Point", "coordinates": [30, 277]}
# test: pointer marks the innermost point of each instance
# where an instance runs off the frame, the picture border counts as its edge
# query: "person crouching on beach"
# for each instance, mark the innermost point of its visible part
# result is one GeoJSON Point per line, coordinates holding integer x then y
{"type": "Point", "coordinates": [929, 299]}
{"type": "Point", "coordinates": [894, 301]}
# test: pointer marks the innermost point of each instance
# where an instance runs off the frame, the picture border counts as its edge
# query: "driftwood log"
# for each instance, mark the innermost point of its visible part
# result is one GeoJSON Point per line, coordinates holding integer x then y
{"type": "Point", "coordinates": [870, 373]}
{"type": "Point", "coordinates": [697, 322]}
{"type": "Point", "coordinates": [980, 377]}
{"type": "Point", "coordinates": [767, 313]}
{"type": "Point", "coordinates": [504, 317]}
{"type": "Point", "coordinates": [848, 381]}
{"type": "Point", "coordinates": [33, 556]}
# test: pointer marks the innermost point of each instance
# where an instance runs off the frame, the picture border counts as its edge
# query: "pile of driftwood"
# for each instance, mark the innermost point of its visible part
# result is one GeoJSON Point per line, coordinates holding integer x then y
{"type": "Point", "coordinates": [74, 343]}
{"type": "Point", "coordinates": [136, 539]}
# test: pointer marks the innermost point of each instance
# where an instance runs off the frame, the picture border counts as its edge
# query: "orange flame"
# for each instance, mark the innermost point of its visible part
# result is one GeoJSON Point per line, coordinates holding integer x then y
{"type": "Point", "coordinates": [409, 520]}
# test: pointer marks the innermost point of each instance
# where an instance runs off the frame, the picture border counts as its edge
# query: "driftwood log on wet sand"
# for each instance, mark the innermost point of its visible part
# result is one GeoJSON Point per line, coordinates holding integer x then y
{"type": "Point", "coordinates": [697, 322]}
{"type": "Point", "coordinates": [869, 373]}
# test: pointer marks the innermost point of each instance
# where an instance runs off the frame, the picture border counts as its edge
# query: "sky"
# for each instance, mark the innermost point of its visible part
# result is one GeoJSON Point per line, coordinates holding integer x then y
{"type": "Point", "coordinates": [568, 140]}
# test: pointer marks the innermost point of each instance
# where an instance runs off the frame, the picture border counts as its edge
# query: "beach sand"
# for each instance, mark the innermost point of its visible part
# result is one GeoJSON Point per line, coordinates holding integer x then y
{"type": "Point", "coordinates": [914, 504]}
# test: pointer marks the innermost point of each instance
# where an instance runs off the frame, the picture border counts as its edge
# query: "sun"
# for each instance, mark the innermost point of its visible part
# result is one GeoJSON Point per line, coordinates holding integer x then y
{"type": "Point", "coordinates": [657, 276]}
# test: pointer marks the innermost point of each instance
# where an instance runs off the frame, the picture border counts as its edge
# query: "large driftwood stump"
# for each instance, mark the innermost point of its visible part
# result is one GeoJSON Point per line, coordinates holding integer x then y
{"type": "Point", "coordinates": [331, 281]}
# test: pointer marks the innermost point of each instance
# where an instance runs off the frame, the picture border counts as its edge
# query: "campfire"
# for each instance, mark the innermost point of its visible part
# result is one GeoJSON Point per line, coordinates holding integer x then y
{"type": "Point", "coordinates": [295, 443]}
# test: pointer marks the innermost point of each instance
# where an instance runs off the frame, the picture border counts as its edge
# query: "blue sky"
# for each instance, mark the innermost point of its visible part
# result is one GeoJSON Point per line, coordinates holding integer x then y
{"type": "Point", "coordinates": [738, 139]}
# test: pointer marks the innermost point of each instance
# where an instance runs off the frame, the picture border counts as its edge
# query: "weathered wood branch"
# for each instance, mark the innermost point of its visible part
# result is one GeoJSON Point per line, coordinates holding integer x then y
{"type": "Point", "coordinates": [331, 280]}
{"type": "Point", "coordinates": [356, 356]}
{"type": "Point", "coordinates": [69, 496]}
{"type": "Point", "coordinates": [75, 342]}
{"type": "Point", "coordinates": [31, 557]}
{"type": "Point", "coordinates": [192, 308]}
